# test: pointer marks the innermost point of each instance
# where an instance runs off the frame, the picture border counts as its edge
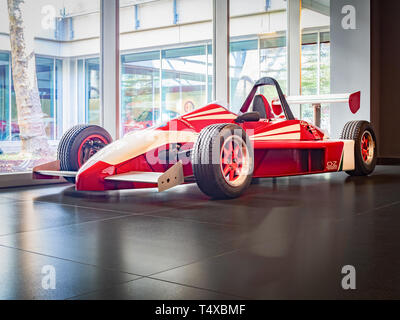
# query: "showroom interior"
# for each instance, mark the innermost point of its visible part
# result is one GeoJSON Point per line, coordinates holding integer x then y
{"type": "Point", "coordinates": [131, 65]}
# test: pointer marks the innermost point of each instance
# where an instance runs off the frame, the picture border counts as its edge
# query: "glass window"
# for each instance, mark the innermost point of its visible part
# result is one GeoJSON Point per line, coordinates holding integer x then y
{"type": "Point", "coordinates": [243, 70]}
{"type": "Point", "coordinates": [46, 81]}
{"type": "Point", "coordinates": [58, 32]}
{"type": "Point", "coordinates": [309, 64]}
{"type": "Point", "coordinates": [315, 73]}
{"type": "Point", "coordinates": [265, 56]}
{"type": "Point", "coordinates": [140, 86]}
{"type": "Point", "coordinates": [315, 58]}
{"type": "Point", "coordinates": [273, 63]}
{"type": "Point", "coordinates": [92, 91]}
{"type": "Point", "coordinates": [48, 85]}
{"type": "Point", "coordinates": [166, 64]}
{"type": "Point", "coordinates": [325, 63]}
{"type": "Point", "coordinates": [184, 80]}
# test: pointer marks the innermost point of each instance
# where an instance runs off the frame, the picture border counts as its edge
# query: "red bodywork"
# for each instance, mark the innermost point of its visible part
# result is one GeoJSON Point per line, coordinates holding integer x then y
{"type": "Point", "coordinates": [281, 148]}
{"type": "Point", "coordinates": [283, 145]}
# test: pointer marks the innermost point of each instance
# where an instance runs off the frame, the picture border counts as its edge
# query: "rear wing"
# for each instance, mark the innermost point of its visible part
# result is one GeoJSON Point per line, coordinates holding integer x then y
{"type": "Point", "coordinates": [353, 99]}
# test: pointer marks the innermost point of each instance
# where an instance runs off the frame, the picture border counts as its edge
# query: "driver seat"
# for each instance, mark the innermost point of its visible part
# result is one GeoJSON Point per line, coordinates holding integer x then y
{"type": "Point", "coordinates": [261, 105]}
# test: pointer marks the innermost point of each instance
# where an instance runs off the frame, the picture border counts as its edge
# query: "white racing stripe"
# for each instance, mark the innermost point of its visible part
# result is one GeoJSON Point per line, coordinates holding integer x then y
{"type": "Point", "coordinates": [283, 130]}
{"type": "Point", "coordinates": [215, 117]}
{"type": "Point", "coordinates": [284, 136]}
{"type": "Point", "coordinates": [216, 110]}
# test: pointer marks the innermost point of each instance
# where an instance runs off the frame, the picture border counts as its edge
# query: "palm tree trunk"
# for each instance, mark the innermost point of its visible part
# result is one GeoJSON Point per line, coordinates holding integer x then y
{"type": "Point", "coordinates": [30, 115]}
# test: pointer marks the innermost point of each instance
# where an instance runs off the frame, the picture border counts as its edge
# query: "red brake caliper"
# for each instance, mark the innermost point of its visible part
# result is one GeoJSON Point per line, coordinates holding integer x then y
{"type": "Point", "coordinates": [365, 148]}
{"type": "Point", "coordinates": [81, 151]}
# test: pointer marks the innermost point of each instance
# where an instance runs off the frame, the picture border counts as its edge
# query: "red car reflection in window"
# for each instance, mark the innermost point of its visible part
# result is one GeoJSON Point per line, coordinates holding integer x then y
{"type": "Point", "coordinates": [148, 119]}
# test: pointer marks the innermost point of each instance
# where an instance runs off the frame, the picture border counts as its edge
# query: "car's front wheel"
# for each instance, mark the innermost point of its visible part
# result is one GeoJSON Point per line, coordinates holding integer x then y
{"type": "Point", "coordinates": [79, 144]}
{"type": "Point", "coordinates": [222, 161]}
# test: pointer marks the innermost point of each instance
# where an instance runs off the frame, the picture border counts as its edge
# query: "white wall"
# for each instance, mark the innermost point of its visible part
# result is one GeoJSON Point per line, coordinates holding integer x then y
{"type": "Point", "coordinates": [350, 62]}
{"type": "Point", "coordinates": [187, 14]}
{"type": "Point", "coordinates": [240, 7]}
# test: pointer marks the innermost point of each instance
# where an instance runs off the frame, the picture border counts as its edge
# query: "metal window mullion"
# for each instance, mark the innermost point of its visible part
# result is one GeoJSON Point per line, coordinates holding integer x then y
{"type": "Point", "coordinates": [180, 89]}
{"type": "Point", "coordinates": [293, 55]}
{"type": "Point", "coordinates": [153, 93]}
{"type": "Point", "coordinates": [259, 56]}
{"type": "Point", "coordinates": [220, 51]}
{"type": "Point", "coordinates": [55, 100]}
{"type": "Point", "coordinates": [206, 98]}
{"type": "Point", "coordinates": [175, 13]}
{"type": "Point", "coordinates": [119, 128]}
{"type": "Point", "coordinates": [161, 85]}
{"type": "Point", "coordinates": [85, 95]}
{"type": "Point", "coordinates": [319, 64]}
{"type": "Point", "coordinates": [101, 67]}
{"type": "Point", "coordinates": [109, 66]}
{"type": "Point", "coordinates": [101, 95]}
{"type": "Point", "coordinates": [137, 22]}
{"type": "Point", "coordinates": [77, 101]}
{"type": "Point", "coordinates": [10, 95]}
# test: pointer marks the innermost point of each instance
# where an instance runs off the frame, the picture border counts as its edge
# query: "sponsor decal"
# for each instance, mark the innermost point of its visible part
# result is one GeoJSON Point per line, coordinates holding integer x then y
{"type": "Point", "coordinates": [332, 165]}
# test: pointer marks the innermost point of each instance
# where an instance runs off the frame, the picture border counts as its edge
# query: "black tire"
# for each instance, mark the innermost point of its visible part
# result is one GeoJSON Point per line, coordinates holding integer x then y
{"type": "Point", "coordinates": [70, 144]}
{"type": "Point", "coordinates": [209, 174]}
{"type": "Point", "coordinates": [355, 130]}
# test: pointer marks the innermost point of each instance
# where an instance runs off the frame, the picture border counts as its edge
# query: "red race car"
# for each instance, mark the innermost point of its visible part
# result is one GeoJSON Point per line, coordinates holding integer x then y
{"type": "Point", "coordinates": [216, 148]}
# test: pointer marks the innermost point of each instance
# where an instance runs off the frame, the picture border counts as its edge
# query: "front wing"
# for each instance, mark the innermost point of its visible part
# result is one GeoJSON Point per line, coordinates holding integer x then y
{"type": "Point", "coordinates": [167, 180]}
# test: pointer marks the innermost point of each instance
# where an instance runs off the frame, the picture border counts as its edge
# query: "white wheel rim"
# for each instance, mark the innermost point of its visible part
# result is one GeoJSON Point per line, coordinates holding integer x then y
{"type": "Point", "coordinates": [367, 147]}
{"type": "Point", "coordinates": [235, 161]}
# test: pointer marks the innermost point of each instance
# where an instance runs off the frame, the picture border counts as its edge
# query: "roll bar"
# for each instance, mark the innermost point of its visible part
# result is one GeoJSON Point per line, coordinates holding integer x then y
{"type": "Point", "coordinates": [268, 81]}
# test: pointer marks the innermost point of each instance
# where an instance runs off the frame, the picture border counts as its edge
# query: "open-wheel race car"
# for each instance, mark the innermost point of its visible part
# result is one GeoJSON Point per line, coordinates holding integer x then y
{"type": "Point", "coordinates": [219, 150]}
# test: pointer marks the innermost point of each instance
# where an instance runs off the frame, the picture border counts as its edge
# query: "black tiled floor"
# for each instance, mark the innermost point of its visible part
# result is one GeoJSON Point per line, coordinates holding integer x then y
{"type": "Point", "coordinates": [305, 265]}
{"type": "Point", "coordinates": [21, 276]}
{"type": "Point", "coordinates": [151, 289]}
{"type": "Point", "coordinates": [285, 238]}
{"type": "Point", "coordinates": [137, 244]}
{"type": "Point", "coordinates": [25, 216]}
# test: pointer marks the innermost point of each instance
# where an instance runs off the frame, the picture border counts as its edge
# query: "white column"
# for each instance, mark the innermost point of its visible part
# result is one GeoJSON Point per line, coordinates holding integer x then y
{"type": "Point", "coordinates": [293, 42]}
{"type": "Point", "coordinates": [350, 59]}
{"type": "Point", "coordinates": [69, 94]}
{"type": "Point", "coordinates": [109, 66]}
{"type": "Point", "coordinates": [221, 50]}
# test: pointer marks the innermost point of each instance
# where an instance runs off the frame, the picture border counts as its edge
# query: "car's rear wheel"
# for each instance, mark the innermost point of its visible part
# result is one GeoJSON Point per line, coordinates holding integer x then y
{"type": "Point", "coordinates": [365, 148]}
{"type": "Point", "coordinates": [222, 161]}
{"type": "Point", "coordinates": [79, 144]}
